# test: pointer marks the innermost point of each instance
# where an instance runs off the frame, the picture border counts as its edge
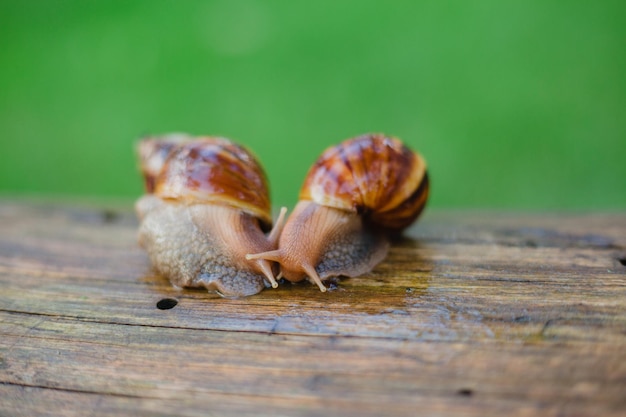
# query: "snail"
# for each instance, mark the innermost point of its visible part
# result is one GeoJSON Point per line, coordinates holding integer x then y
{"type": "Point", "coordinates": [356, 196]}
{"type": "Point", "coordinates": [207, 206]}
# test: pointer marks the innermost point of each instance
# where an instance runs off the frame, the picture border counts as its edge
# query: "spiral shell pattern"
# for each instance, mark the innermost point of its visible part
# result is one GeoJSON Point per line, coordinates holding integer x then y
{"type": "Point", "coordinates": [374, 175]}
{"type": "Point", "coordinates": [206, 170]}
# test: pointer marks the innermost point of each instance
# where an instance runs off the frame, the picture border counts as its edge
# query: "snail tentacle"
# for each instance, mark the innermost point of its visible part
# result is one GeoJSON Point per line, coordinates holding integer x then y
{"type": "Point", "coordinates": [278, 227]}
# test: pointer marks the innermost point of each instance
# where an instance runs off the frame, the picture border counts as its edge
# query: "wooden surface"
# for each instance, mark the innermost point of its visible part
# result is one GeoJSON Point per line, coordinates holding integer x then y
{"type": "Point", "coordinates": [472, 314]}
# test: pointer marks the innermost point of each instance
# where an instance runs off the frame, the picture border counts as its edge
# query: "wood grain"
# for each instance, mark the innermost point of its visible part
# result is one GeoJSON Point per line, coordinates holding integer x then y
{"type": "Point", "coordinates": [472, 313]}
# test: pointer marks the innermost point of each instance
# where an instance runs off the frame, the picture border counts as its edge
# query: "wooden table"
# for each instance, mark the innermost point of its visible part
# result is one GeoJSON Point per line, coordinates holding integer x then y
{"type": "Point", "coordinates": [473, 313]}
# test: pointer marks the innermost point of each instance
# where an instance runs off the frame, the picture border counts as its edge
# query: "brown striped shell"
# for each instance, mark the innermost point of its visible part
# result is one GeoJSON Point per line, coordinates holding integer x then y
{"type": "Point", "coordinates": [374, 175]}
{"type": "Point", "coordinates": [208, 170]}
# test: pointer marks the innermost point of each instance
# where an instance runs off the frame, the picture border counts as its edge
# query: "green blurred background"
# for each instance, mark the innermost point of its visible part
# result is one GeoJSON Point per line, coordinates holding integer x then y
{"type": "Point", "coordinates": [515, 104]}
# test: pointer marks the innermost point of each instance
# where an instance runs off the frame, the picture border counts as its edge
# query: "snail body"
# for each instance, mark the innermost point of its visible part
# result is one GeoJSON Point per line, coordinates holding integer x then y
{"type": "Point", "coordinates": [355, 197]}
{"type": "Point", "coordinates": [206, 207]}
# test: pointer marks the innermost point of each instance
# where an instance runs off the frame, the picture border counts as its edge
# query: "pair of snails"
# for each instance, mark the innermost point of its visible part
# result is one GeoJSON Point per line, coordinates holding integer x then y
{"type": "Point", "coordinates": [206, 221]}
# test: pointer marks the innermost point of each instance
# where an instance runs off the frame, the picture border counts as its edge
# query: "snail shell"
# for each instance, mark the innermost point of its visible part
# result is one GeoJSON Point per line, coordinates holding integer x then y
{"type": "Point", "coordinates": [354, 198]}
{"type": "Point", "coordinates": [207, 207]}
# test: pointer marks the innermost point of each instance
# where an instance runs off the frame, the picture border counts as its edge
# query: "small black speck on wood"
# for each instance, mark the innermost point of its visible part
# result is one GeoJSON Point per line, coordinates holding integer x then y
{"type": "Point", "coordinates": [166, 303]}
{"type": "Point", "coordinates": [465, 392]}
{"type": "Point", "coordinates": [479, 314]}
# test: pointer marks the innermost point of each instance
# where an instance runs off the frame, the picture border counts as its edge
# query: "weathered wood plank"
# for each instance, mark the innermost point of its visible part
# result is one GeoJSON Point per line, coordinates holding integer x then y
{"type": "Point", "coordinates": [472, 313]}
